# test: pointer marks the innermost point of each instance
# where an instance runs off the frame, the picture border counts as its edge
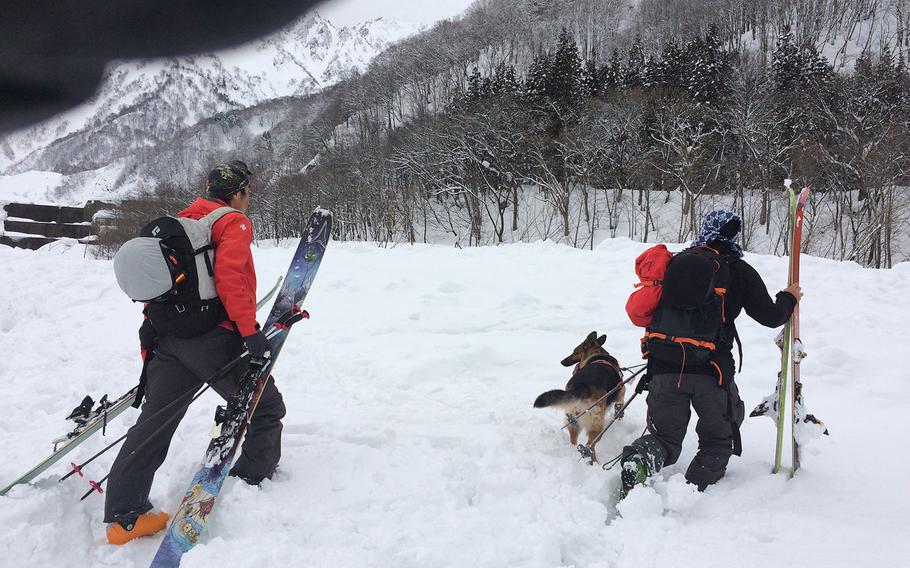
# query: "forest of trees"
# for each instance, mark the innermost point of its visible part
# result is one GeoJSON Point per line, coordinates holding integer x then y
{"type": "Point", "coordinates": [472, 127]}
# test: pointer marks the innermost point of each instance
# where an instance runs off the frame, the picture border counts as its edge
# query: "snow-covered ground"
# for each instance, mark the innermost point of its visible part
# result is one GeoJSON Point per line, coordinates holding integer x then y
{"type": "Point", "coordinates": [410, 439]}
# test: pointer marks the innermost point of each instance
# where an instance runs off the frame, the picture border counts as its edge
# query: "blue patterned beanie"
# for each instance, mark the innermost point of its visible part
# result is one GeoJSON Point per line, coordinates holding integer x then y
{"type": "Point", "coordinates": [713, 228]}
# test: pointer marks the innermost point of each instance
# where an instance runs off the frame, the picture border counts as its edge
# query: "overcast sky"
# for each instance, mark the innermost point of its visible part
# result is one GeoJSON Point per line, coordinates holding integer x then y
{"type": "Point", "coordinates": [347, 12]}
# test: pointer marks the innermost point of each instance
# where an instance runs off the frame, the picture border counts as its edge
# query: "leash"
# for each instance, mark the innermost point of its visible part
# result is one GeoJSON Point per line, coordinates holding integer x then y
{"type": "Point", "coordinates": [607, 466]}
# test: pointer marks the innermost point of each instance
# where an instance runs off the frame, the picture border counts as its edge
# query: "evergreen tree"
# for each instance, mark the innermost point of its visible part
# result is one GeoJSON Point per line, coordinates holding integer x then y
{"type": "Point", "coordinates": [635, 62]}
{"type": "Point", "coordinates": [887, 75]}
{"type": "Point", "coordinates": [671, 66]}
{"type": "Point", "coordinates": [555, 81]}
{"type": "Point", "coordinates": [652, 74]}
{"type": "Point", "coordinates": [476, 89]}
{"type": "Point", "coordinates": [708, 77]}
{"type": "Point", "coordinates": [815, 70]}
{"type": "Point", "coordinates": [565, 78]}
{"type": "Point", "coordinates": [593, 78]}
{"type": "Point", "coordinates": [537, 79]}
{"type": "Point", "coordinates": [786, 64]}
{"type": "Point", "coordinates": [505, 82]}
{"type": "Point", "coordinates": [613, 72]}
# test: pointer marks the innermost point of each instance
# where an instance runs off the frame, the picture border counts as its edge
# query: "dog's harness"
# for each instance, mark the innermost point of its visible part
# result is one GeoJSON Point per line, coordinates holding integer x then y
{"type": "Point", "coordinates": [600, 360]}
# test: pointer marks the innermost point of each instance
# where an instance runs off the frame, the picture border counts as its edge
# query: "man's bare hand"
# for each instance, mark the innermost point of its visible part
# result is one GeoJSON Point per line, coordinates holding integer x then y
{"type": "Point", "coordinates": [795, 290]}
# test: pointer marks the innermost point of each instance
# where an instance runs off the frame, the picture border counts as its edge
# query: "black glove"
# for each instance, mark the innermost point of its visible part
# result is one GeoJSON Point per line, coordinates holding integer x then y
{"type": "Point", "coordinates": [147, 335]}
{"type": "Point", "coordinates": [258, 345]}
{"type": "Point", "coordinates": [643, 384]}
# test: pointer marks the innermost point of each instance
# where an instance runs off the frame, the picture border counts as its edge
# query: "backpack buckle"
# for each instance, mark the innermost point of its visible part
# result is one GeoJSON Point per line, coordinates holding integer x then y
{"type": "Point", "coordinates": [180, 308]}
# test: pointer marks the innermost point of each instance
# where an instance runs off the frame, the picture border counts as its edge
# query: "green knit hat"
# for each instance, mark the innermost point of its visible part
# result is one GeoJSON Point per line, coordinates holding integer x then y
{"type": "Point", "coordinates": [227, 179]}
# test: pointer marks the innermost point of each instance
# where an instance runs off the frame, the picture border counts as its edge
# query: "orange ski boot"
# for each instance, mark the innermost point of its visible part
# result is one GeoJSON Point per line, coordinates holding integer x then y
{"type": "Point", "coordinates": [146, 525]}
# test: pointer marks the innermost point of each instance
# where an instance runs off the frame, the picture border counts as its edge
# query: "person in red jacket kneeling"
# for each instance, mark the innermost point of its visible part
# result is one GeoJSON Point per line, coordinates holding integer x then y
{"type": "Point", "coordinates": [177, 366]}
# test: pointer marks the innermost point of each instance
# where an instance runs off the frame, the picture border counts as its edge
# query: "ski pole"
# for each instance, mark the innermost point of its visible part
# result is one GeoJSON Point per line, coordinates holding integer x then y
{"type": "Point", "coordinates": [217, 375]}
{"type": "Point", "coordinates": [283, 324]}
{"type": "Point", "coordinates": [78, 468]}
{"type": "Point", "coordinates": [103, 402]}
{"type": "Point", "coordinates": [587, 451]}
{"type": "Point", "coordinates": [96, 485]}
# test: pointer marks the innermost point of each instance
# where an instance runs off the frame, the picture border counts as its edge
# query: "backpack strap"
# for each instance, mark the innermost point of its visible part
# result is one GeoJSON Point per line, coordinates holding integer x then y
{"type": "Point", "coordinates": [739, 348]}
{"type": "Point", "coordinates": [212, 218]}
{"type": "Point", "coordinates": [208, 222]}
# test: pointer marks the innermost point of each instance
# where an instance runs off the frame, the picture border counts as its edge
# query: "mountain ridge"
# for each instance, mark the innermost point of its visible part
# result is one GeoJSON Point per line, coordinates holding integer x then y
{"type": "Point", "coordinates": [143, 102]}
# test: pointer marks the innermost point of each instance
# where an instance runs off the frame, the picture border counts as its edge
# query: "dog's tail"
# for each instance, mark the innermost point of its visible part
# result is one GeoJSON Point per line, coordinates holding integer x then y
{"type": "Point", "coordinates": [553, 398]}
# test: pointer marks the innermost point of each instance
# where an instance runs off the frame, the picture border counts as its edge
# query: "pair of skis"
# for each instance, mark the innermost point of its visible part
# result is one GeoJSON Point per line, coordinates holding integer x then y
{"type": "Point", "coordinates": [89, 421]}
{"type": "Point", "coordinates": [792, 353]}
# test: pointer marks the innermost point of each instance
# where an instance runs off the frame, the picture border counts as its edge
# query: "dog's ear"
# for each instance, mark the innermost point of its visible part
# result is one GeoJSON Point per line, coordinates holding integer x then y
{"type": "Point", "coordinates": [602, 339]}
{"type": "Point", "coordinates": [592, 337]}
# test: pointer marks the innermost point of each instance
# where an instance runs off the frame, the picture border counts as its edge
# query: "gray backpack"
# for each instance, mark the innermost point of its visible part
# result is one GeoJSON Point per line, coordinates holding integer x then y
{"type": "Point", "coordinates": [171, 267]}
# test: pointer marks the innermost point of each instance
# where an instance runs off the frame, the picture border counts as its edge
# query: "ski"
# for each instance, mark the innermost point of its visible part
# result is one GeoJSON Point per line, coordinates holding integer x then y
{"type": "Point", "coordinates": [269, 294]}
{"type": "Point", "coordinates": [787, 339]}
{"type": "Point", "coordinates": [773, 405]}
{"type": "Point", "coordinates": [797, 352]}
{"type": "Point", "coordinates": [188, 523]}
{"type": "Point", "coordinates": [89, 421]}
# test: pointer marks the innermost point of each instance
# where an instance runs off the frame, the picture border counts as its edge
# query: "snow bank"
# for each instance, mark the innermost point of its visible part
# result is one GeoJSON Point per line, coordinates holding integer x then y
{"type": "Point", "coordinates": [51, 188]}
{"type": "Point", "coordinates": [30, 187]}
{"type": "Point", "coordinates": [410, 439]}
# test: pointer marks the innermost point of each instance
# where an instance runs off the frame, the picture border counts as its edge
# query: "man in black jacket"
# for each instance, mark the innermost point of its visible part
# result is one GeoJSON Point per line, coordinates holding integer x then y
{"type": "Point", "coordinates": [709, 388]}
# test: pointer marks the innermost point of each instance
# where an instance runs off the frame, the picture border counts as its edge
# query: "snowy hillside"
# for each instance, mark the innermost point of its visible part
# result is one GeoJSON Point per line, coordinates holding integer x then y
{"type": "Point", "coordinates": [410, 440]}
{"type": "Point", "coordinates": [142, 103]}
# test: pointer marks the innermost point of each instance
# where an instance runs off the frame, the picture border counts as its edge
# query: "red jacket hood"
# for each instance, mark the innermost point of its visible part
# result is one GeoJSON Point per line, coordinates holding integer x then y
{"type": "Point", "coordinates": [202, 207]}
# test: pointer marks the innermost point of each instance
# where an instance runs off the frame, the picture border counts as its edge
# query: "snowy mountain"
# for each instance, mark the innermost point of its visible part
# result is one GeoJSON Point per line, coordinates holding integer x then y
{"type": "Point", "coordinates": [142, 103]}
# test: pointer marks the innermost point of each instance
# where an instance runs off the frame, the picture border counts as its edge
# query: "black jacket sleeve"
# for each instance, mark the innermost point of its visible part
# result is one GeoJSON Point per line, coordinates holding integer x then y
{"type": "Point", "coordinates": [758, 303]}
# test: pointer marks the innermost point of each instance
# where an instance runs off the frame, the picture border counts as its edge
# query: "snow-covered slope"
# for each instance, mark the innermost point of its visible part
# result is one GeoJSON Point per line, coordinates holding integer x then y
{"type": "Point", "coordinates": [141, 103]}
{"type": "Point", "coordinates": [410, 440]}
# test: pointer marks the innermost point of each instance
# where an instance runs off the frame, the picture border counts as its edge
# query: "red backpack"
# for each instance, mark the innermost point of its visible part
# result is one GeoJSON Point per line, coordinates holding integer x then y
{"type": "Point", "coordinates": [650, 267]}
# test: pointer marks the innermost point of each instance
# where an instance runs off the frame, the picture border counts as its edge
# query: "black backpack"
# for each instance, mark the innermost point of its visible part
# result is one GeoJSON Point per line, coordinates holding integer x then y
{"type": "Point", "coordinates": [688, 323]}
{"type": "Point", "coordinates": [170, 267]}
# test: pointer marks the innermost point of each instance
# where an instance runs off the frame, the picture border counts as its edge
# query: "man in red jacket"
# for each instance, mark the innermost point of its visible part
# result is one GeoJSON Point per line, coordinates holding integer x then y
{"type": "Point", "coordinates": [178, 366]}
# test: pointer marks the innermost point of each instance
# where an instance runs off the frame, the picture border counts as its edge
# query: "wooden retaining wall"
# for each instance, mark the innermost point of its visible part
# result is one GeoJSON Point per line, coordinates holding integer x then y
{"type": "Point", "coordinates": [31, 226]}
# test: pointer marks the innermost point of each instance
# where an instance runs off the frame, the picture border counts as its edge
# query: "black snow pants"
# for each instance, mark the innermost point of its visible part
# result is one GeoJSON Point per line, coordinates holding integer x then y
{"type": "Point", "coordinates": [177, 369]}
{"type": "Point", "coordinates": [720, 413]}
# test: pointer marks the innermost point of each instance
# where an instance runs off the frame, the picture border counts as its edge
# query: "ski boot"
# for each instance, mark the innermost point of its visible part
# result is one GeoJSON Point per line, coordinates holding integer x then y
{"type": "Point", "coordinates": [634, 472]}
{"type": "Point", "coordinates": [249, 478]}
{"type": "Point", "coordinates": [146, 524]}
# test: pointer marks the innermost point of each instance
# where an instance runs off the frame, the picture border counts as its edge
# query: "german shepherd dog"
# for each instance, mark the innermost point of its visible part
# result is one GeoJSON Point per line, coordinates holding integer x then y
{"type": "Point", "coordinates": [596, 373]}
